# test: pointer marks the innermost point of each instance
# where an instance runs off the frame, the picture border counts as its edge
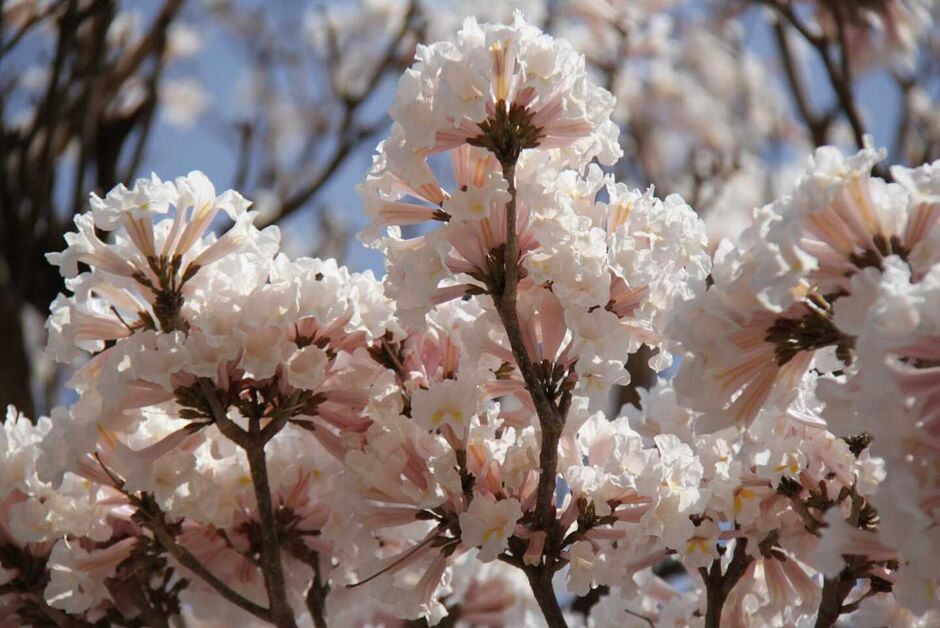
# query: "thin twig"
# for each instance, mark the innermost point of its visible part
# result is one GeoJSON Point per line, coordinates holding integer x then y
{"type": "Point", "coordinates": [184, 557]}
{"type": "Point", "coordinates": [540, 579]}
{"type": "Point", "coordinates": [551, 420]}
{"type": "Point", "coordinates": [817, 126]}
{"type": "Point", "coordinates": [842, 80]}
{"type": "Point", "coordinates": [350, 135]}
{"type": "Point", "coordinates": [271, 567]}
{"type": "Point", "coordinates": [252, 442]}
{"type": "Point", "coordinates": [840, 75]}
{"type": "Point", "coordinates": [718, 585]}
{"type": "Point", "coordinates": [319, 587]}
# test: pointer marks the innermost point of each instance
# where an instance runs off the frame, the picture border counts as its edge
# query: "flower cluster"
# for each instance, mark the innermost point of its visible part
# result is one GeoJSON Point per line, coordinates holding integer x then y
{"type": "Point", "coordinates": [260, 439]}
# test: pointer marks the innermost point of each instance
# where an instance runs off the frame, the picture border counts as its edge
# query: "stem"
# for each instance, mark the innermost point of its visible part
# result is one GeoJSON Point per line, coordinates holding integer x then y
{"type": "Point", "coordinates": [540, 579]}
{"type": "Point", "coordinates": [511, 272]}
{"type": "Point", "coordinates": [840, 75]}
{"type": "Point", "coordinates": [316, 596]}
{"type": "Point", "coordinates": [548, 471]}
{"type": "Point", "coordinates": [253, 442]}
{"type": "Point", "coordinates": [151, 616]}
{"type": "Point", "coordinates": [842, 80]}
{"type": "Point", "coordinates": [834, 592]}
{"type": "Point", "coordinates": [184, 557]}
{"type": "Point", "coordinates": [551, 419]}
{"type": "Point", "coordinates": [816, 126]}
{"type": "Point", "coordinates": [271, 568]}
{"type": "Point", "coordinates": [319, 589]}
{"type": "Point", "coordinates": [719, 585]}
{"type": "Point", "coordinates": [715, 597]}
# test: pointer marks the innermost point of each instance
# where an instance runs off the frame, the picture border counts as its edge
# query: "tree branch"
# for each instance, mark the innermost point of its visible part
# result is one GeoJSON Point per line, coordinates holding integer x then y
{"type": "Point", "coordinates": [840, 76]}
{"type": "Point", "coordinates": [818, 127]}
{"type": "Point", "coordinates": [271, 567]}
{"type": "Point", "coordinates": [319, 588]}
{"type": "Point", "coordinates": [350, 135]}
{"type": "Point", "coordinates": [154, 521]}
{"type": "Point", "coordinates": [842, 79]}
{"type": "Point", "coordinates": [253, 442]}
{"type": "Point", "coordinates": [834, 592]}
{"type": "Point", "coordinates": [718, 585]}
{"type": "Point", "coordinates": [540, 580]}
{"type": "Point", "coordinates": [551, 420]}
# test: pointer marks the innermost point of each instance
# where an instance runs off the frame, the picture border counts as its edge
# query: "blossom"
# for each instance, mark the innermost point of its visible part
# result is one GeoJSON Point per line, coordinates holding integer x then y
{"type": "Point", "coordinates": [144, 278]}
{"type": "Point", "coordinates": [838, 220]}
{"type": "Point", "coordinates": [77, 580]}
{"type": "Point", "coordinates": [441, 438]}
{"type": "Point", "coordinates": [469, 90]}
{"type": "Point", "coordinates": [582, 561]}
{"type": "Point", "coordinates": [488, 524]}
{"type": "Point", "coordinates": [731, 341]}
{"type": "Point", "coordinates": [451, 402]}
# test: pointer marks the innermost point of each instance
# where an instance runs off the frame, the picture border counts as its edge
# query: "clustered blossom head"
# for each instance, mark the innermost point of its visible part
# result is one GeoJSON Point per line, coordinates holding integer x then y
{"type": "Point", "coordinates": [505, 88]}
{"type": "Point", "coordinates": [434, 442]}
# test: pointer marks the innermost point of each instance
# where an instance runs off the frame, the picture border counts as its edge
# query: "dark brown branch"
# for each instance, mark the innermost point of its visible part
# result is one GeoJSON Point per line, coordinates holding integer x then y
{"type": "Point", "coordinates": [584, 603]}
{"type": "Point", "coordinates": [817, 126]}
{"type": "Point", "coordinates": [35, 19]}
{"type": "Point", "coordinates": [183, 556]}
{"type": "Point", "coordinates": [842, 79]}
{"type": "Point", "coordinates": [271, 567]}
{"type": "Point", "coordinates": [718, 585]}
{"type": "Point", "coordinates": [551, 420]}
{"type": "Point", "coordinates": [834, 592]}
{"type": "Point", "coordinates": [540, 580]}
{"type": "Point", "coordinates": [253, 442]}
{"type": "Point", "coordinates": [839, 74]}
{"type": "Point", "coordinates": [151, 41]}
{"type": "Point", "coordinates": [316, 598]}
{"type": "Point", "coordinates": [903, 128]}
{"type": "Point", "coordinates": [319, 588]}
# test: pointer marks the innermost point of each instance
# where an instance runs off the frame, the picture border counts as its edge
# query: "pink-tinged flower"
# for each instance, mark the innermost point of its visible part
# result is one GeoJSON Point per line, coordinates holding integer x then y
{"type": "Point", "coordinates": [458, 259]}
{"type": "Point", "coordinates": [450, 402]}
{"type": "Point", "coordinates": [77, 580]}
{"type": "Point", "coordinates": [583, 567]}
{"type": "Point", "coordinates": [142, 278]}
{"type": "Point", "coordinates": [488, 524]}
{"type": "Point", "coordinates": [497, 77]}
{"type": "Point", "coordinates": [702, 547]}
{"type": "Point", "coordinates": [840, 220]}
{"type": "Point", "coordinates": [741, 357]}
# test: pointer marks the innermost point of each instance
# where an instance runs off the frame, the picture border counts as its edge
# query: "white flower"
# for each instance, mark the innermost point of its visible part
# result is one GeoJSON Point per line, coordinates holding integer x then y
{"type": "Point", "coordinates": [488, 524]}
{"type": "Point", "coordinates": [77, 580]}
{"type": "Point", "coordinates": [451, 402]}
{"type": "Point", "coordinates": [148, 196]}
{"type": "Point", "coordinates": [583, 564]}
{"type": "Point", "coordinates": [448, 96]}
{"type": "Point", "coordinates": [701, 548]}
{"type": "Point", "coordinates": [306, 368]}
{"type": "Point", "coordinates": [473, 202]}
{"type": "Point", "coordinates": [19, 440]}
{"type": "Point", "coordinates": [659, 245]}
